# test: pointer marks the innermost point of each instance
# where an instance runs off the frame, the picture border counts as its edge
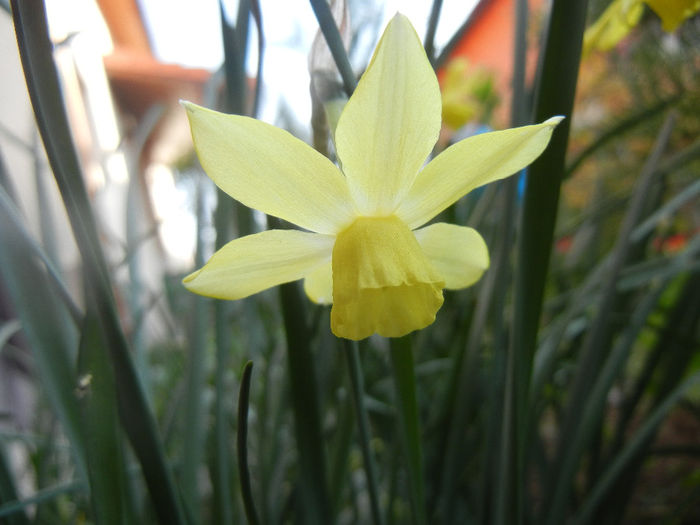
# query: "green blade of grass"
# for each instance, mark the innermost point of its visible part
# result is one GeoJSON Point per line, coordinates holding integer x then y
{"type": "Point", "coordinates": [358, 396]}
{"type": "Point", "coordinates": [620, 127]}
{"type": "Point", "coordinates": [100, 423]}
{"type": "Point", "coordinates": [31, 28]}
{"type": "Point", "coordinates": [554, 95]}
{"type": "Point", "coordinates": [223, 467]}
{"type": "Point", "coordinates": [335, 43]}
{"type": "Point", "coordinates": [313, 489]}
{"type": "Point", "coordinates": [340, 453]}
{"type": "Point", "coordinates": [221, 472]}
{"type": "Point", "coordinates": [509, 460]}
{"type": "Point", "coordinates": [598, 336]}
{"type": "Point", "coordinates": [672, 357]}
{"type": "Point", "coordinates": [10, 508]}
{"type": "Point", "coordinates": [52, 336]}
{"type": "Point", "coordinates": [401, 353]}
{"type": "Point", "coordinates": [235, 42]}
{"type": "Point", "coordinates": [257, 17]}
{"type": "Point", "coordinates": [490, 301]}
{"type": "Point", "coordinates": [18, 223]}
{"type": "Point", "coordinates": [429, 41]}
{"type": "Point", "coordinates": [242, 446]}
{"type": "Point", "coordinates": [628, 454]}
{"type": "Point", "coordinates": [591, 413]}
{"type": "Point", "coordinates": [194, 415]}
{"type": "Point", "coordinates": [135, 237]}
{"type": "Point", "coordinates": [667, 210]}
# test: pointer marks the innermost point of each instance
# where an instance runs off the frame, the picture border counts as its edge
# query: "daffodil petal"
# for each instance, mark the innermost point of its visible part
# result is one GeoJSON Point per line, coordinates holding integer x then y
{"type": "Point", "coordinates": [318, 285]}
{"type": "Point", "coordinates": [268, 169]}
{"type": "Point", "coordinates": [469, 164]}
{"type": "Point", "coordinates": [391, 122]}
{"type": "Point", "coordinates": [459, 254]}
{"type": "Point", "coordinates": [256, 262]}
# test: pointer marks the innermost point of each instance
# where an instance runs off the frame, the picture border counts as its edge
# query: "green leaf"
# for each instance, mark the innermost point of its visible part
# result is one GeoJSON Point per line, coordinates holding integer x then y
{"type": "Point", "coordinates": [591, 412]}
{"type": "Point", "coordinates": [358, 396]}
{"type": "Point", "coordinates": [598, 337]}
{"type": "Point", "coordinates": [194, 414]}
{"type": "Point", "coordinates": [335, 43]}
{"type": "Point", "coordinates": [29, 17]}
{"type": "Point", "coordinates": [33, 248]}
{"type": "Point", "coordinates": [554, 95]}
{"type": "Point", "coordinates": [242, 442]}
{"type": "Point", "coordinates": [52, 336]}
{"type": "Point", "coordinates": [47, 494]}
{"type": "Point", "coordinates": [100, 423]}
{"type": "Point", "coordinates": [628, 454]}
{"type": "Point", "coordinates": [620, 127]}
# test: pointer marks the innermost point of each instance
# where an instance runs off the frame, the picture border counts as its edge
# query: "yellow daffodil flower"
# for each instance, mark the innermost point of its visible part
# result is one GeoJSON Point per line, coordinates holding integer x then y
{"type": "Point", "coordinates": [467, 93]}
{"type": "Point", "coordinates": [622, 15]}
{"type": "Point", "coordinates": [362, 251]}
{"type": "Point", "coordinates": [673, 12]}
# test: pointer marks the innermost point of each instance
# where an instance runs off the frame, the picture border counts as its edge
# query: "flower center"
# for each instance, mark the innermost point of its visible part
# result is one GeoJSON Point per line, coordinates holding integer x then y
{"type": "Point", "coordinates": [382, 281]}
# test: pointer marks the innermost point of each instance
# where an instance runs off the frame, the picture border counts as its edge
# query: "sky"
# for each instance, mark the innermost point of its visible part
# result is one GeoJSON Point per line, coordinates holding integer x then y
{"type": "Point", "coordinates": [191, 37]}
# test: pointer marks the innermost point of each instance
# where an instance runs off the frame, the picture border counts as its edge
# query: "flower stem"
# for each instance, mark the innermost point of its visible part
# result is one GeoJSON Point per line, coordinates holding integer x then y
{"type": "Point", "coordinates": [358, 394]}
{"type": "Point", "coordinates": [242, 446]}
{"type": "Point", "coordinates": [313, 488]}
{"type": "Point", "coordinates": [405, 384]}
{"type": "Point", "coordinates": [335, 43]}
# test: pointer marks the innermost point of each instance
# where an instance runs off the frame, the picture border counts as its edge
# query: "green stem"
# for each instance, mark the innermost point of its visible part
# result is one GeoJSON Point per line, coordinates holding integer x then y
{"type": "Point", "coordinates": [194, 415]}
{"type": "Point", "coordinates": [313, 488]}
{"type": "Point", "coordinates": [242, 442]}
{"type": "Point", "coordinates": [358, 394]}
{"type": "Point", "coordinates": [401, 353]}
{"type": "Point", "coordinates": [223, 219]}
{"type": "Point", "coordinates": [429, 43]}
{"type": "Point", "coordinates": [556, 87]}
{"type": "Point", "coordinates": [335, 43]}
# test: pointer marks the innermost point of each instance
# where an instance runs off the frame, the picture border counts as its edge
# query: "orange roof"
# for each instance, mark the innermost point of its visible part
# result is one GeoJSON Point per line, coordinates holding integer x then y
{"type": "Point", "coordinates": [487, 39]}
{"type": "Point", "coordinates": [138, 79]}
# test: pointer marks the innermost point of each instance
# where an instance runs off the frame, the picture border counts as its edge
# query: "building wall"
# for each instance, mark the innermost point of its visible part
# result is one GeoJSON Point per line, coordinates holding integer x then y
{"type": "Point", "coordinates": [489, 42]}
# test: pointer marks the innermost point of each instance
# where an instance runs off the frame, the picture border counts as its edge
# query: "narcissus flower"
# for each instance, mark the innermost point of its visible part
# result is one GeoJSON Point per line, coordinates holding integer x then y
{"type": "Point", "coordinates": [362, 251]}
{"type": "Point", "coordinates": [622, 15]}
{"type": "Point", "coordinates": [467, 93]}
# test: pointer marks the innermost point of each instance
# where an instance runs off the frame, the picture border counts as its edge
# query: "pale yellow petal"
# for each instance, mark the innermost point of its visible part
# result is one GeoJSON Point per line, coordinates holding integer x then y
{"type": "Point", "coordinates": [256, 262]}
{"type": "Point", "coordinates": [318, 285]}
{"type": "Point", "coordinates": [673, 12]}
{"type": "Point", "coordinates": [382, 281]}
{"type": "Point", "coordinates": [391, 122]}
{"type": "Point", "coordinates": [459, 254]}
{"type": "Point", "coordinates": [469, 164]}
{"type": "Point", "coordinates": [268, 169]}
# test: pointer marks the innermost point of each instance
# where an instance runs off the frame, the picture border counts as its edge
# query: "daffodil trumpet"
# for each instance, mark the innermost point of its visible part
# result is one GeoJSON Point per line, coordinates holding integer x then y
{"type": "Point", "coordinates": [364, 250]}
